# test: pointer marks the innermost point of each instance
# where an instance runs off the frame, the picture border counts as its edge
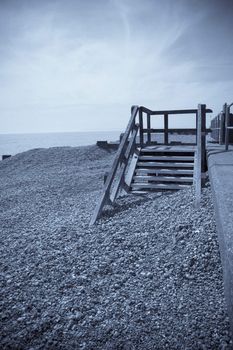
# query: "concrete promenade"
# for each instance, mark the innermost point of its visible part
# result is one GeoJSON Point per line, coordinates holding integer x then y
{"type": "Point", "coordinates": [220, 168]}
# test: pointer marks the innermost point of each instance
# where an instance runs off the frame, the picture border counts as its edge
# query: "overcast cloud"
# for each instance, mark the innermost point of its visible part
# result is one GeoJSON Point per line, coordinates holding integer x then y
{"type": "Point", "coordinates": [79, 65]}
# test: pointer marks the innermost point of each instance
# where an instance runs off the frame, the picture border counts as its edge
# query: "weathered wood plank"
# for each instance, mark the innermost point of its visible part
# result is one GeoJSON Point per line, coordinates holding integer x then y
{"type": "Point", "coordinates": [222, 128]}
{"type": "Point", "coordinates": [166, 128]}
{"type": "Point", "coordinates": [148, 128]}
{"type": "Point", "coordinates": [187, 131]}
{"type": "Point", "coordinates": [158, 186]}
{"type": "Point", "coordinates": [227, 129]}
{"type": "Point", "coordinates": [203, 139]}
{"type": "Point", "coordinates": [137, 178]}
{"type": "Point", "coordinates": [165, 165]}
{"type": "Point", "coordinates": [169, 150]}
{"type": "Point", "coordinates": [198, 157]}
{"type": "Point", "coordinates": [129, 151]}
{"type": "Point", "coordinates": [179, 172]}
{"type": "Point", "coordinates": [167, 158]}
{"type": "Point", "coordinates": [141, 139]}
{"type": "Point", "coordinates": [131, 170]}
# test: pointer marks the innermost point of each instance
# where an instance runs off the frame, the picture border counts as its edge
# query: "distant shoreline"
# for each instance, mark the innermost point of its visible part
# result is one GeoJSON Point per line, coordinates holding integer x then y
{"type": "Point", "coordinates": [16, 143]}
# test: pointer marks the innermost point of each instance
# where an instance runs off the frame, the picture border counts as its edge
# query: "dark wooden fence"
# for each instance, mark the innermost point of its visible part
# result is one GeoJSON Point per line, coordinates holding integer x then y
{"type": "Point", "coordinates": [222, 125]}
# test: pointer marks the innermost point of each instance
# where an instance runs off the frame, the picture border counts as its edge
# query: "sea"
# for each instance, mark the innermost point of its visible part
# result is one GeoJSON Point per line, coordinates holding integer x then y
{"type": "Point", "coordinates": [11, 144]}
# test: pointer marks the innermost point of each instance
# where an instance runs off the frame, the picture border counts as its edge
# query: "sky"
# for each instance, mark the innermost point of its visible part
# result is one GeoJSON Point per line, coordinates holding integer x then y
{"type": "Point", "coordinates": [79, 65]}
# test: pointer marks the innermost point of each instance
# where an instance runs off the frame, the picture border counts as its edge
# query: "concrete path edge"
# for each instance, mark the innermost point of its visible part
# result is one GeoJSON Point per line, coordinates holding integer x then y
{"type": "Point", "coordinates": [220, 168]}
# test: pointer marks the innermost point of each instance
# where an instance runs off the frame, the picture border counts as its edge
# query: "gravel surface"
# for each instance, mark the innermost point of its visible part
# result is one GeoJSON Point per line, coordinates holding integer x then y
{"type": "Point", "coordinates": [147, 276]}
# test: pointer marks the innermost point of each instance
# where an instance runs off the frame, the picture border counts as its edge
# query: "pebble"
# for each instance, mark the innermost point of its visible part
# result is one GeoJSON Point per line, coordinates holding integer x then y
{"type": "Point", "coordinates": [138, 279]}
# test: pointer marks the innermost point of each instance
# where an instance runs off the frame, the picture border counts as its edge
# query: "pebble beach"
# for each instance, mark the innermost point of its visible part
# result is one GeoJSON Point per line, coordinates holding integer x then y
{"type": "Point", "coordinates": [147, 275]}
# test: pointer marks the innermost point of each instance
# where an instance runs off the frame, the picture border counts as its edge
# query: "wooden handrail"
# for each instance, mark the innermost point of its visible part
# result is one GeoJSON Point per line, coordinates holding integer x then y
{"type": "Point", "coordinates": [130, 149]}
{"type": "Point", "coordinates": [191, 131]}
{"type": "Point", "coordinates": [166, 130]}
{"type": "Point", "coordinates": [119, 158]}
{"type": "Point", "coordinates": [178, 111]}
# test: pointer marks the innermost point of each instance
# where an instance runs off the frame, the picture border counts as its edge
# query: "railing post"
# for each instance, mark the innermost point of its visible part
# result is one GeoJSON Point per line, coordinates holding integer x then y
{"type": "Point", "coordinates": [211, 127]}
{"type": "Point", "coordinates": [227, 124]}
{"type": "Point", "coordinates": [196, 126]}
{"type": "Point", "coordinates": [200, 162]}
{"type": "Point", "coordinates": [222, 128]}
{"type": "Point", "coordinates": [203, 140]}
{"type": "Point", "coordinates": [197, 170]}
{"type": "Point", "coordinates": [140, 127]}
{"type": "Point", "coordinates": [166, 129]}
{"type": "Point", "coordinates": [148, 128]}
{"type": "Point", "coordinates": [216, 126]}
{"type": "Point", "coordinates": [215, 129]}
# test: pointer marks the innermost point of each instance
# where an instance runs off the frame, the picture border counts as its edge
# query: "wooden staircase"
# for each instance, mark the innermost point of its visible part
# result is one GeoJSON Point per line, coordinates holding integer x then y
{"type": "Point", "coordinates": [142, 165]}
{"type": "Point", "coordinates": [163, 168]}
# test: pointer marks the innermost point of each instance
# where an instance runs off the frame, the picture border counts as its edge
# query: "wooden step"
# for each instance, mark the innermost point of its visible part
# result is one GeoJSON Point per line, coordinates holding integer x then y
{"type": "Point", "coordinates": [167, 158]}
{"type": "Point", "coordinates": [165, 165]}
{"type": "Point", "coordinates": [179, 172]}
{"type": "Point", "coordinates": [163, 169]}
{"type": "Point", "coordinates": [139, 178]}
{"type": "Point", "coordinates": [167, 151]}
{"type": "Point", "coordinates": [151, 186]}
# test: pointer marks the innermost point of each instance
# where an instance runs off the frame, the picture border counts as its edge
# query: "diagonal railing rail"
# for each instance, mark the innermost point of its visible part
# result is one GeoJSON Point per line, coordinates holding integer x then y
{"type": "Point", "coordinates": [125, 150]}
